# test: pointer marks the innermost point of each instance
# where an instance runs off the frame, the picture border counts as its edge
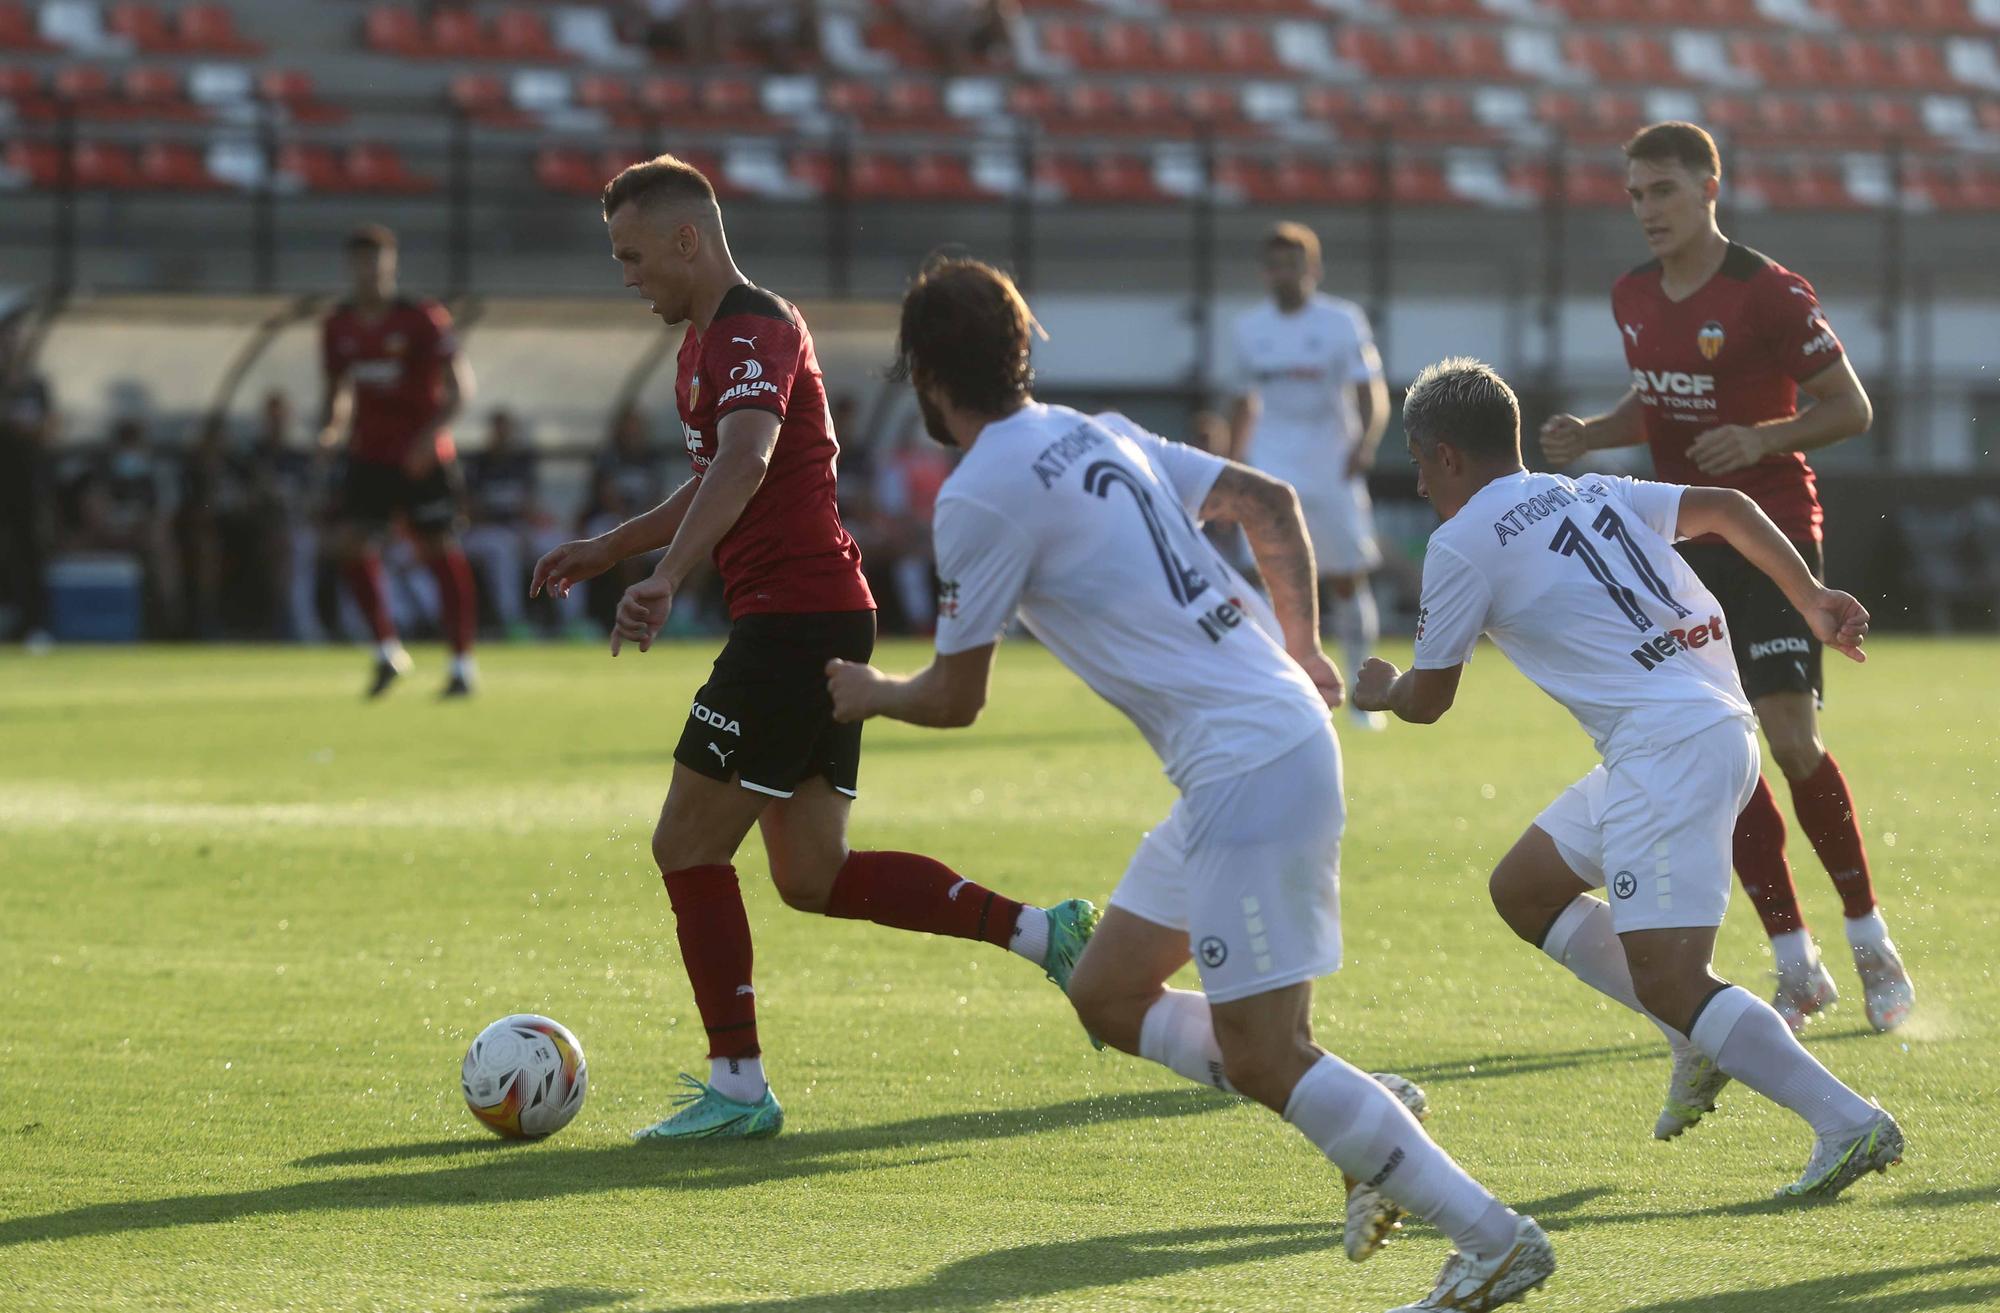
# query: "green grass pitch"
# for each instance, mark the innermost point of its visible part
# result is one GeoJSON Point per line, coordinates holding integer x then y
{"type": "Point", "coordinates": [248, 925]}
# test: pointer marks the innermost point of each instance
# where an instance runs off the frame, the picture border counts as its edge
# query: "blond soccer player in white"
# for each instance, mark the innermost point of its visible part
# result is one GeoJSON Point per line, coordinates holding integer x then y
{"type": "Point", "coordinates": [1577, 582]}
{"type": "Point", "coordinates": [1310, 409]}
{"type": "Point", "coordinates": [1086, 525]}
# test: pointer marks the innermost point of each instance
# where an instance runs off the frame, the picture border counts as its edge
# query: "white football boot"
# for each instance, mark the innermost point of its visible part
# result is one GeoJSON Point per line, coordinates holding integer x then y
{"type": "Point", "coordinates": [1470, 1286]}
{"type": "Point", "coordinates": [1803, 991]}
{"type": "Point", "coordinates": [1885, 985]}
{"type": "Point", "coordinates": [1837, 1164]}
{"type": "Point", "coordinates": [1691, 1091]}
{"type": "Point", "coordinates": [1371, 1217]}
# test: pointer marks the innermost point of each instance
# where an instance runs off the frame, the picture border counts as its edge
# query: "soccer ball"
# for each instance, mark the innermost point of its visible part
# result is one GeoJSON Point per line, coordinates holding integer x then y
{"type": "Point", "coordinates": [524, 1077]}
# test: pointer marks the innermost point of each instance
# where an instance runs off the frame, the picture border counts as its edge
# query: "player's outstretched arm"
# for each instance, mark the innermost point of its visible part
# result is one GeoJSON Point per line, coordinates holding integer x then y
{"type": "Point", "coordinates": [573, 562]}
{"type": "Point", "coordinates": [1567, 439]}
{"type": "Point", "coordinates": [947, 694]}
{"type": "Point", "coordinates": [1418, 696]}
{"type": "Point", "coordinates": [1837, 619]}
{"type": "Point", "coordinates": [1268, 510]}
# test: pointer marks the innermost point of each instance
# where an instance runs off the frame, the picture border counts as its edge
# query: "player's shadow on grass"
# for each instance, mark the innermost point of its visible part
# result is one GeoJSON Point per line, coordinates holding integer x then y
{"type": "Point", "coordinates": [501, 1173]}
{"type": "Point", "coordinates": [1851, 1292]}
{"type": "Point", "coordinates": [1490, 1066]}
{"type": "Point", "coordinates": [1059, 1267]}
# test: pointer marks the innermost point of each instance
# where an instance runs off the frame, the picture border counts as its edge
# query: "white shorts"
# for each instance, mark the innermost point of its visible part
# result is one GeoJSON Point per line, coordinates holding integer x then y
{"type": "Point", "coordinates": [1341, 519]}
{"type": "Point", "coordinates": [1660, 823]}
{"type": "Point", "coordinates": [1249, 868]}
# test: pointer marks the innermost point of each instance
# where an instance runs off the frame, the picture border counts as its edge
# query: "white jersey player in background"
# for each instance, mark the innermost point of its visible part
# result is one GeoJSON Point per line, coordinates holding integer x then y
{"type": "Point", "coordinates": [1087, 527]}
{"type": "Point", "coordinates": [1311, 409]}
{"type": "Point", "coordinates": [1577, 582]}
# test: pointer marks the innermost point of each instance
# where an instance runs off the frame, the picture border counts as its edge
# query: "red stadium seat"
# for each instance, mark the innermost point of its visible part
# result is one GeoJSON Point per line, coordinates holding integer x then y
{"type": "Point", "coordinates": [878, 177]}
{"type": "Point", "coordinates": [1100, 180]}
{"type": "Point", "coordinates": [1187, 48]}
{"type": "Point", "coordinates": [943, 177]}
{"type": "Point", "coordinates": [1127, 46]}
{"type": "Point", "coordinates": [523, 34]}
{"type": "Point", "coordinates": [1154, 110]}
{"type": "Point", "coordinates": [1476, 56]}
{"type": "Point", "coordinates": [569, 172]}
{"type": "Point", "coordinates": [1417, 53]}
{"type": "Point", "coordinates": [458, 34]}
{"type": "Point", "coordinates": [40, 162]}
{"type": "Point", "coordinates": [86, 90]}
{"type": "Point", "coordinates": [1917, 63]}
{"type": "Point", "coordinates": [211, 29]}
{"type": "Point", "coordinates": [1069, 42]}
{"type": "Point", "coordinates": [1419, 182]}
{"type": "Point", "coordinates": [391, 30]}
{"type": "Point", "coordinates": [602, 91]}
{"type": "Point", "coordinates": [22, 96]}
{"type": "Point", "coordinates": [144, 26]}
{"type": "Point", "coordinates": [158, 93]}
{"type": "Point", "coordinates": [1245, 48]}
{"type": "Point", "coordinates": [1216, 108]}
{"type": "Point", "coordinates": [18, 30]}
{"type": "Point", "coordinates": [853, 97]}
{"type": "Point", "coordinates": [374, 167]}
{"type": "Point", "coordinates": [175, 166]}
{"type": "Point", "coordinates": [102, 165]}
{"type": "Point", "coordinates": [486, 99]}
{"type": "Point", "coordinates": [316, 168]}
{"type": "Point", "coordinates": [666, 97]}
{"type": "Point", "coordinates": [1893, 118]}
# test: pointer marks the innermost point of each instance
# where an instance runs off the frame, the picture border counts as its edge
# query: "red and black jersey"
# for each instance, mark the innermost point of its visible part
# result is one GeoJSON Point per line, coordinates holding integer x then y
{"type": "Point", "coordinates": [1732, 353]}
{"type": "Point", "coordinates": [788, 551]}
{"type": "Point", "coordinates": [397, 362]}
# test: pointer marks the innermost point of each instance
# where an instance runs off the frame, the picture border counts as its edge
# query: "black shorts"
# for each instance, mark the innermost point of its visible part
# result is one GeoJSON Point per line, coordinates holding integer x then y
{"type": "Point", "coordinates": [1775, 648]}
{"type": "Point", "coordinates": [764, 717]}
{"type": "Point", "coordinates": [372, 494]}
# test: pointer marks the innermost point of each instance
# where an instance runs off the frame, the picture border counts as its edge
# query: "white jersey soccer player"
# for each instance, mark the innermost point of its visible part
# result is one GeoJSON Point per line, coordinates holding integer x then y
{"type": "Point", "coordinates": [1312, 406]}
{"type": "Point", "coordinates": [1086, 527]}
{"type": "Point", "coordinates": [1577, 582]}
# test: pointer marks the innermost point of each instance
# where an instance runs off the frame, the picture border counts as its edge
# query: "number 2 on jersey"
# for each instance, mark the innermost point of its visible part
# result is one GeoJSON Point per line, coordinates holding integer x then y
{"type": "Point", "coordinates": [1572, 541]}
{"type": "Point", "coordinates": [1183, 580]}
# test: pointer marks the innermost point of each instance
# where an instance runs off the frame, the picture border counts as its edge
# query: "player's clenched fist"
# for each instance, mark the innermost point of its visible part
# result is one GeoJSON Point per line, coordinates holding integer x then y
{"type": "Point", "coordinates": [1372, 683]}
{"type": "Point", "coordinates": [570, 564]}
{"type": "Point", "coordinates": [1727, 449]}
{"type": "Point", "coordinates": [851, 684]}
{"type": "Point", "coordinates": [1563, 441]}
{"type": "Point", "coordinates": [1324, 675]}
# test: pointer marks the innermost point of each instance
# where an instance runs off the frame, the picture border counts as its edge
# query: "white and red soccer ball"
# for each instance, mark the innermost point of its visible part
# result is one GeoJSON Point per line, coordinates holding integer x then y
{"type": "Point", "coordinates": [524, 1077]}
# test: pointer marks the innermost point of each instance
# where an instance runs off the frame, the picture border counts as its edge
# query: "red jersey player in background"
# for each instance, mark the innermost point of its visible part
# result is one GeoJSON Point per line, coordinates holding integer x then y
{"type": "Point", "coordinates": [394, 382]}
{"type": "Point", "coordinates": [1721, 340]}
{"type": "Point", "coordinates": [760, 746]}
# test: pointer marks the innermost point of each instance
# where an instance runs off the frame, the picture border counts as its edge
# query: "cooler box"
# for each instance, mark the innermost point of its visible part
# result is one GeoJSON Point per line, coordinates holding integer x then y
{"type": "Point", "coordinates": [96, 599]}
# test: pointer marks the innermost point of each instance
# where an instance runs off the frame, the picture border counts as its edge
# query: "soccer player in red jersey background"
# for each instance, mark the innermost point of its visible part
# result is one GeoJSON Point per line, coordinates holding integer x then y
{"type": "Point", "coordinates": [760, 747]}
{"type": "Point", "coordinates": [1721, 340]}
{"type": "Point", "coordinates": [394, 382]}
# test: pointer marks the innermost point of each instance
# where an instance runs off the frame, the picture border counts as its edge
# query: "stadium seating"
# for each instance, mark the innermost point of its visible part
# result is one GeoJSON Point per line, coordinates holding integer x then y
{"type": "Point", "coordinates": [1468, 97]}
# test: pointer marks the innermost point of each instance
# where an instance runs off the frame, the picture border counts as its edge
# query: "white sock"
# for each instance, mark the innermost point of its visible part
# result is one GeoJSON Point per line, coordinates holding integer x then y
{"type": "Point", "coordinates": [1031, 935]}
{"type": "Point", "coordinates": [1793, 949]}
{"type": "Point", "coordinates": [1750, 1041]}
{"type": "Point", "coordinates": [1582, 940]}
{"type": "Point", "coordinates": [1179, 1034]}
{"type": "Point", "coordinates": [1368, 1133]}
{"type": "Point", "coordinates": [741, 1079]}
{"type": "Point", "coordinates": [1869, 931]}
{"type": "Point", "coordinates": [390, 649]}
{"type": "Point", "coordinates": [1356, 625]}
{"type": "Point", "coordinates": [464, 667]}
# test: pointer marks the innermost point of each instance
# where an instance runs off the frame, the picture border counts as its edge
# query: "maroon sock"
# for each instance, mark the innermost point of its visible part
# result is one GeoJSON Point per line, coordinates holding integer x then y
{"type": "Point", "coordinates": [907, 891]}
{"type": "Point", "coordinates": [364, 580]}
{"type": "Point", "coordinates": [715, 948]}
{"type": "Point", "coordinates": [461, 604]}
{"type": "Point", "coordinates": [1761, 866]}
{"type": "Point", "coordinates": [1826, 813]}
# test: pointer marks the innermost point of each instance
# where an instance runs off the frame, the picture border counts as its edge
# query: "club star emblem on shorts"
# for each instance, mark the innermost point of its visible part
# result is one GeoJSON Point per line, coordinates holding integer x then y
{"type": "Point", "coordinates": [1624, 885]}
{"type": "Point", "coordinates": [1213, 951]}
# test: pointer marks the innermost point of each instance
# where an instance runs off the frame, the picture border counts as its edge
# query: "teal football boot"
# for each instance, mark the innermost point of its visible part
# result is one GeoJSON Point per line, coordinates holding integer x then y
{"type": "Point", "coordinates": [706, 1114]}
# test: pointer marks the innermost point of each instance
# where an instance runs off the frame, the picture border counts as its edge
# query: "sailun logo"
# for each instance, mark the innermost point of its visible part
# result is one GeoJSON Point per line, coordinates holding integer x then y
{"type": "Point", "coordinates": [746, 371]}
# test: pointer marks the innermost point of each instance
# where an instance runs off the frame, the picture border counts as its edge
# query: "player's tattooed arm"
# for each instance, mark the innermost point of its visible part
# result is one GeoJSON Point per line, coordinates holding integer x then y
{"type": "Point", "coordinates": [1837, 619]}
{"type": "Point", "coordinates": [1268, 510]}
{"type": "Point", "coordinates": [744, 441]}
{"type": "Point", "coordinates": [947, 694]}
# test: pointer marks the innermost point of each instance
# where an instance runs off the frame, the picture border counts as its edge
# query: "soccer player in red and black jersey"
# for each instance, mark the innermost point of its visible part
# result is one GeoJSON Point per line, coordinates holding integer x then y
{"type": "Point", "coordinates": [394, 382]}
{"type": "Point", "coordinates": [1720, 341]}
{"type": "Point", "coordinates": [760, 746]}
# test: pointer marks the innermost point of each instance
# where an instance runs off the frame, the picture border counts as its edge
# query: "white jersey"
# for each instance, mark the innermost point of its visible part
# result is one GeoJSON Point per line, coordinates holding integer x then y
{"type": "Point", "coordinates": [1304, 367]}
{"type": "Point", "coordinates": [1579, 584]}
{"type": "Point", "coordinates": [1085, 525]}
